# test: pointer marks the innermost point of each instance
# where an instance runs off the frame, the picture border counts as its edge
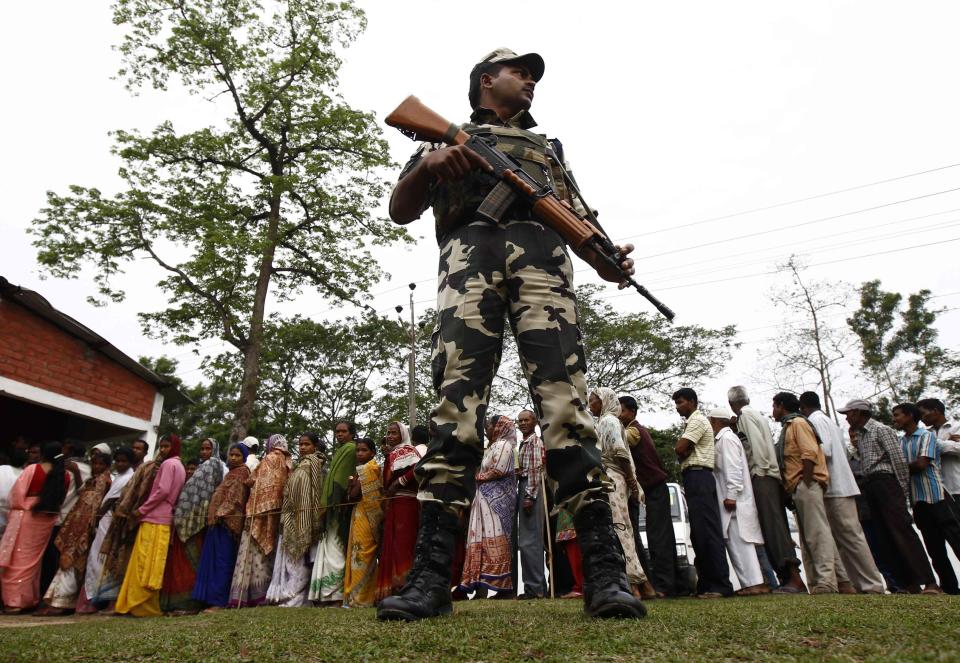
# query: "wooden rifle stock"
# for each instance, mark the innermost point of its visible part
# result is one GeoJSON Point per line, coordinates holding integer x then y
{"type": "Point", "coordinates": [419, 122]}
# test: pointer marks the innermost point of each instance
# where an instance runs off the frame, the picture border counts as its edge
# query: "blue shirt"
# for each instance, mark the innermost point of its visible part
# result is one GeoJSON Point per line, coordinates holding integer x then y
{"type": "Point", "coordinates": [926, 486]}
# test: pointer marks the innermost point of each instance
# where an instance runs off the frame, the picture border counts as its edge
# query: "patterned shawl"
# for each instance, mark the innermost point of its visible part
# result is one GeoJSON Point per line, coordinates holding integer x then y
{"type": "Point", "coordinates": [302, 515]}
{"type": "Point", "coordinates": [73, 540]}
{"type": "Point", "coordinates": [119, 540]}
{"type": "Point", "coordinates": [266, 496]}
{"type": "Point", "coordinates": [342, 467]}
{"type": "Point", "coordinates": [229, 500]}
{"type": "Point", "coordinates": [190, 515]}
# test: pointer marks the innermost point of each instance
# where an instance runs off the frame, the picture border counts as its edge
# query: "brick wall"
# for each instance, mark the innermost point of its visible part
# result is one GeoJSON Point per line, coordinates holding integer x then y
{"type": "Point", "coordinates": [38, 353]}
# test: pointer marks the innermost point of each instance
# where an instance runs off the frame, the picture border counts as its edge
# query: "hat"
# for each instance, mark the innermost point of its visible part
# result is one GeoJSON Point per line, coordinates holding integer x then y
{"type": "Point", "coordinates": [720, 413]}
{"type": "Point", "coordinates": [533, 61]}
{"type": "Point", "coordinates": [857, 404]}
{"type": "Point", "coordinates": [250, 442]}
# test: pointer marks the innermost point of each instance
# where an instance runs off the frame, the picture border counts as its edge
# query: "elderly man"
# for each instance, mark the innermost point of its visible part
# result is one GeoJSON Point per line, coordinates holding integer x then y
{"type": "Point", "coordinates": [738, 512]}
{"type": "Point", "coordinates": [886, 488]}
{"type": "Point", "coordinates": [856, 570]}
{"type": "Point", "coordinates": [767, 491]}
{"type": "Point", "coordinates": [531, 505]}
{"type": "Point", "coordinates": [805, 476]}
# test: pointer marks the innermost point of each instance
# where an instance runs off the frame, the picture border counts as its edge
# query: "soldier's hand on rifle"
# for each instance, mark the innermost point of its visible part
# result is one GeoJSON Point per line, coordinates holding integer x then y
{"type": "Point", "coordinates": [453, 163]}
{"type": "Point", "coordinates": [626, 264]}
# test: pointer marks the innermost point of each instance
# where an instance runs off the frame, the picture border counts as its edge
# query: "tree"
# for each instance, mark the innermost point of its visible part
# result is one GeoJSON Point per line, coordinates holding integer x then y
{"type": "Point", "coordinates": [903, 360]}
{"type": "Point", "coordinates": [275, 198]}
{"type": "Point", "coordinates": [644, 354]}
{"type": "Point", "coordinates": [808, 352]}
{"type": "Point", "coordinates": [314, 373]}
{"type": "Point", "coordinates": [204, 411]}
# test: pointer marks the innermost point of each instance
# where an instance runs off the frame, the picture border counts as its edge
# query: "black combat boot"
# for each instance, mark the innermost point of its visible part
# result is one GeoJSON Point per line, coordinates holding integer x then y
{"type": "Point", "coordinates": [427, 590]}
{"type": "Point", "coordinates": [606, 591]}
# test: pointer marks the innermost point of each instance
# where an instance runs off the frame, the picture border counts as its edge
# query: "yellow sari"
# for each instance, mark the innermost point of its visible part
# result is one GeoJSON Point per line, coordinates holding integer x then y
{"type": "Point", "coordinates": [360, 576]}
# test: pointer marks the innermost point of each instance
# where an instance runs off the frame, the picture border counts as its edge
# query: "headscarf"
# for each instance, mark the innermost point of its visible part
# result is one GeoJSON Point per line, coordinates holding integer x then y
{"type": "Point", "coordinates": [190, 514]}
{"type": "Point", "coordinates": [301, 518]}
{"type": "Point", "coordinates": [175, 444]}
{"type": "Point", "coordinates": [102, 448]}
{"type": "Point", "coordinates": [404, 455]}
{"type": "Point", "coordinates": [230, 499]}
{"type": "Point", "coordinates": [266, 496]}
{"type": "Point", "coordinates": [342, 467]}
{"type": "Point", "coordinates": [277, 441]}
{"type": "Point", "coordinates": [609, 402]}
{"type": "Point", "coordinates": [504, 429]}
{"type": "Point", "coordinates": [609, 429]}
{"type": "Point", "coordinates": [73, 540]}
{"type": "Point", "coordinates": [244, 449]}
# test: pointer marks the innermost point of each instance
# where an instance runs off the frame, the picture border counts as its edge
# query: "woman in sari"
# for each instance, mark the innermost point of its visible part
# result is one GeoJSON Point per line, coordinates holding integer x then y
{"type": "Point", "coordinates": [326, 580]}
{"type": "Point", "coordinates": [224, 526]}
{"type": "Point", "coordinates": [401, 517]}
{"type": "Point", "coordinates": [567, 537]}
{"type": "Point", "coordinates": [35, 502]}
{"type": "Point", "coordinates": [360, 577]}
{"type": "Point", "coordinates": [189, 523]}
{"type": "Point", "coordinates": [492, 515]}
{"type": "Point", "coordinates": [140, 592]}
{"type": "Point", "coordinates": [73, 540]}
{"type": "Point", "coordinates": [300, 521]}
{"type": "Point", "coordinates": [99, 588]}
{"type": "Point", "coordinates": [618, 466]}
{"type": "Point", "coordinates": [258, 543]}
{"type": "Point", "coordinates": [122, 531]}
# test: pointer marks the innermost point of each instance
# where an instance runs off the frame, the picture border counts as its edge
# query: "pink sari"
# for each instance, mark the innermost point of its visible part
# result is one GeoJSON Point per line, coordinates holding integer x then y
{"type": "Point", "coordinates": [23, 543]}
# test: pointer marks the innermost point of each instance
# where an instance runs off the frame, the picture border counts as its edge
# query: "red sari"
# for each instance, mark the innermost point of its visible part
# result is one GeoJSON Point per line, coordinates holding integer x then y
{"type": "Point", "coordinates": [401, 520]}
{"type": "Point", "coordinates": [24, 541]}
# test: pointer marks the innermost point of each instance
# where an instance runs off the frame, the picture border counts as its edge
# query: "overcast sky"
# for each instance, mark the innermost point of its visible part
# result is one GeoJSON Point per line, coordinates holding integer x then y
{"type": "Point", "coordinates": [671, 114]}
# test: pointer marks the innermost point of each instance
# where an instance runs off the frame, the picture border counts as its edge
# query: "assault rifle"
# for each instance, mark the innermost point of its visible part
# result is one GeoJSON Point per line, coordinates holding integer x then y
{"type": "Point", "coordinates": [586, 238]}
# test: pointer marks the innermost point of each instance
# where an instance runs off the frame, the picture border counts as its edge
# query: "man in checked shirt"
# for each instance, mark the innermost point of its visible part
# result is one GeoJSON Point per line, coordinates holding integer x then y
{"type": "Point", "coordinates": [886, 488]}
{"type": "Point", "coordinates": [530, 507]}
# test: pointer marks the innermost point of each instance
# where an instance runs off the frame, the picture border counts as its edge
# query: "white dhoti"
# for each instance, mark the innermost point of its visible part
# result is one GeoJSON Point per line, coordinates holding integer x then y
{"type": "Point", "coordinates": [743, 556]}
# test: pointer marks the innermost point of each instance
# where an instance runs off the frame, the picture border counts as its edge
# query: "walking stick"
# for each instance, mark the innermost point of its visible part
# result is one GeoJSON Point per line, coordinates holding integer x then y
{"type": "Point", "coordinates": [546, 517]}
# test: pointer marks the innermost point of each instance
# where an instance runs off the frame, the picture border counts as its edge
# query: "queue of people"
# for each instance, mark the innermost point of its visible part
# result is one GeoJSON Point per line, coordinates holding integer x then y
{"type": "Point", "coordinates": [113, 532]}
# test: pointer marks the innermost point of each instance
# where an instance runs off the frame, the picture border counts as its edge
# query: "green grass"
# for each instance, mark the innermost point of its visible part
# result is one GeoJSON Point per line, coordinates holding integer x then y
{"type": "Point", "coordinates": [847, 628]}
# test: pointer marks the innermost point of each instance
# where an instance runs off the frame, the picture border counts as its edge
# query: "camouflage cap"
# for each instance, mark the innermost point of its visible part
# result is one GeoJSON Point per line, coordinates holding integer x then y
{"type": "Point", "coordinates": [533, 61]}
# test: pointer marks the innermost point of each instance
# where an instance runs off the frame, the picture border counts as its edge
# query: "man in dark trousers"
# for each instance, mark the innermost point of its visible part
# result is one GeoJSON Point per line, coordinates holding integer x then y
{"type": "Point", "coordinates": [489, 270]}
{"type": "Point", "coordinates": [886, 488]}
{"type": "Point", "coordinates": [696, 452]}
{"type": "Point", "coordinates": [652, 477]}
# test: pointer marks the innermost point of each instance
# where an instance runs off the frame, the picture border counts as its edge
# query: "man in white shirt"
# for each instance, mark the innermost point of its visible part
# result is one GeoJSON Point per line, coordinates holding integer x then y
{"type": "Point", "coordinates": [738, 512]}
{"type": "Point", "coordinates": [253, 444]}
{"type": "Point", "coordinates": [856, 570]}
{"type": "Point", "coordinates": [767, 491]}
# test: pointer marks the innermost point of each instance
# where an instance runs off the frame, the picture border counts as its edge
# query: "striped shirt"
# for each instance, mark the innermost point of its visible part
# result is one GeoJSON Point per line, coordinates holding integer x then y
{"type": "Point", "coordinates": [700, 434]}
{"type": "Point", "coordinates": [926, 486]}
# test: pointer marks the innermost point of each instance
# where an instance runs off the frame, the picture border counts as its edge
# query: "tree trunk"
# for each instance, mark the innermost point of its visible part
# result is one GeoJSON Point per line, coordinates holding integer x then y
{"type": "Point", "coordinates": [251, 355]}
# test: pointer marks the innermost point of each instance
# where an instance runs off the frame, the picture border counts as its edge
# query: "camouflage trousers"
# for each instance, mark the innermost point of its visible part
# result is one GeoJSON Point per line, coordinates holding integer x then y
{"type": "Point", "coordinates": [519, 271]}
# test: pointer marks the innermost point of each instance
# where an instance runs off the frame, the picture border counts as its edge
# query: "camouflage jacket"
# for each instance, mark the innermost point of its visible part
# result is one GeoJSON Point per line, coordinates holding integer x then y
{"type": "Point", "coordinates": [455, 203]}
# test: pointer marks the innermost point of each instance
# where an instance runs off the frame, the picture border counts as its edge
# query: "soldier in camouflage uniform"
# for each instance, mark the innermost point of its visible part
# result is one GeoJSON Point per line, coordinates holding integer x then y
{"type": "Point", "coordinates": [492, 267]}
